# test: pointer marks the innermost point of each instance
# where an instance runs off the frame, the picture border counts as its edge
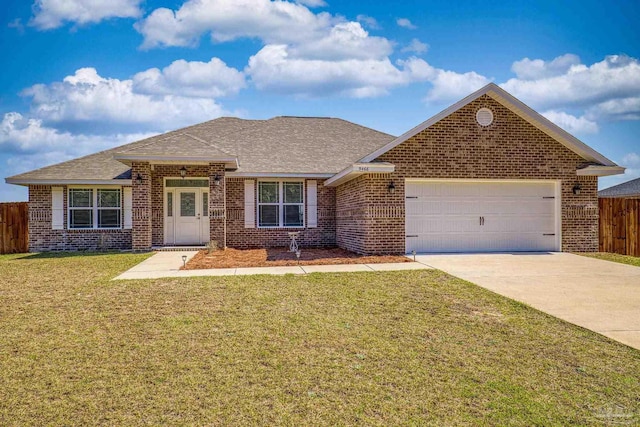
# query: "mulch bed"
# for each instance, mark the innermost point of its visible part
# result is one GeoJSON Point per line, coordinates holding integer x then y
{"type": "Point", "coordinates": [272, 257]}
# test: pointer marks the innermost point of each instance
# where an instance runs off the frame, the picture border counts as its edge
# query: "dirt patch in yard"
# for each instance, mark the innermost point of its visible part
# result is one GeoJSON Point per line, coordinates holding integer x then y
{"type": "Point", "coordinates": [272, 257]}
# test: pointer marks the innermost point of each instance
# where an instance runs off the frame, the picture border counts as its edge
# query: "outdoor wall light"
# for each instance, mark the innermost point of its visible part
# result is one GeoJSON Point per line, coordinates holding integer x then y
{"type": "Point", "coordinates": [577, 189]}
{"type": "Point", "coordinates": [139, 179]}
{"type": "Point", "coordinates": [183, 172]}
{"type": "Point", "coordinates": [216, 179]}
{"type": "Point", "coordinates": [391, 188]}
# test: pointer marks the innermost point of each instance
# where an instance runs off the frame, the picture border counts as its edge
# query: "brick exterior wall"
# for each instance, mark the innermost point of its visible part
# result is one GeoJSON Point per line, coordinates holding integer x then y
{"type": "Point", "coordinates": [370, 220]}
{"type": "Point", "coordinates": [141, 236]}
{"type": "Point", "coordinates": [324, 235]}
{"type": "Point", "coordinates": [42, 238]}
{"type": "Point", "coordinates": [217, 205]}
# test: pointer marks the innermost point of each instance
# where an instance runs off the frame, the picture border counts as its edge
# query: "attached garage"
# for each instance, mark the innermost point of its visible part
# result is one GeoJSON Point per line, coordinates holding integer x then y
{"type": "Point", "coordinates": [482, 215]}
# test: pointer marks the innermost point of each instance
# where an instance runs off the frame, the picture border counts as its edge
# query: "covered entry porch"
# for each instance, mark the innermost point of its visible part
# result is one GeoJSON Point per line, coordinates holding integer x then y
{"type": "Point", "coordinates": [177, 204]}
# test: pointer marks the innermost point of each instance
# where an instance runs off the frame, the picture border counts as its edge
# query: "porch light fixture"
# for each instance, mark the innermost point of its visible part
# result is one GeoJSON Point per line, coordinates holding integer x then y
{"type": "Point", "coordinates": [391, 187]}
{"type": "Point", "coordinates": [577, 189]}
{"type": "Point", "coordinates": [183, 172]}
{"type": "Point", "coordinates": [139, 179]}
{"type": "Point", "coordinates": [216, 179]}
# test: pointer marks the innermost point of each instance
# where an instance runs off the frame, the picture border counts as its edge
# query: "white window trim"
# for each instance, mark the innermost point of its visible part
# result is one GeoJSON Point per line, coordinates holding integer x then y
{"type": "Point", "coordinates": [281, 204]}
{"type": "Point", "coordinates": [94, 207]}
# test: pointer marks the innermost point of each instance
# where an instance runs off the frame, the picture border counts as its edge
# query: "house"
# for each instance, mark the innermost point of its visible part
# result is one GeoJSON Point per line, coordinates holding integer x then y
{"type": "Point", "coordinates": [629, 190]}
{"type": "Point", "coordinates": [486, 174]}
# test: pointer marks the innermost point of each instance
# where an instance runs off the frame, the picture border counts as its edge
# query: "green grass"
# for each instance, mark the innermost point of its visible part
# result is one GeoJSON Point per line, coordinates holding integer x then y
{"type": "Point", "coordinates": [622, 259]}
{"type": "Point", "coordinates": [410, 348]}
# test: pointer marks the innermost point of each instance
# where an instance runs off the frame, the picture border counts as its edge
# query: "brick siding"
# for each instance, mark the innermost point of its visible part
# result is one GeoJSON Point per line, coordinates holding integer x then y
{"type": "Point", "coordinates": [42, 238]}
{"type": "Point", "coordinates": [324, 235]}
{"type": "Point", "coordinates": [370, 220]}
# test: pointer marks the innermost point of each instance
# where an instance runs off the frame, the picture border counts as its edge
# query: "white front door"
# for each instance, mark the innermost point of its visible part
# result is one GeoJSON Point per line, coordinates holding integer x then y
{"type": "Point", "coordinates": [481, 216]}
{"type": "Point", "coordinates": [190, 216]}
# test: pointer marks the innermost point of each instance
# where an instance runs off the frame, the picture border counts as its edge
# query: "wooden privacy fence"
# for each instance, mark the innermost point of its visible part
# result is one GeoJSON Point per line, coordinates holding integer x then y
{"type": "Point", "coordinates": [14, 227]}
{"type": "Point", "coordinates": [619, 222]}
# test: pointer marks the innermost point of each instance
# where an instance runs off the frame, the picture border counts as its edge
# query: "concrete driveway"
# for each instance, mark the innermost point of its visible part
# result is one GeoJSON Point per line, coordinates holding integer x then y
{"type": "Point", "coordinates": [599, 295]}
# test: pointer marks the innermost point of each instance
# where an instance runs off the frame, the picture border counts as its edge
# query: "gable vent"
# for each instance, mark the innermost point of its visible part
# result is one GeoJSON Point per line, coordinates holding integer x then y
{"type": "Point", "coordinates": [484, 117]}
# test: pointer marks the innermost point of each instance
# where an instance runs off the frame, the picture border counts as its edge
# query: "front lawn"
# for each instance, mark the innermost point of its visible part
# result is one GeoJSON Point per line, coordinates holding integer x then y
{"type": "Point", "coordinates": [623, 259]}
{"type": "Point", "coordinates": [412, 348]}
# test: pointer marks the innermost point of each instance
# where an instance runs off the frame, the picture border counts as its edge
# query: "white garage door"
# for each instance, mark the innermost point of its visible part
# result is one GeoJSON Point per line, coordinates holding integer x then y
{"type": "Point", "coordinates": [481, 216]}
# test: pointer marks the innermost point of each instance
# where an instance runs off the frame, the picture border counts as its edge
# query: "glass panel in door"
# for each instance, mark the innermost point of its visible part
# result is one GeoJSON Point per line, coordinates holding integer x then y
{"type": "Point", "coordinates": [187, 204]}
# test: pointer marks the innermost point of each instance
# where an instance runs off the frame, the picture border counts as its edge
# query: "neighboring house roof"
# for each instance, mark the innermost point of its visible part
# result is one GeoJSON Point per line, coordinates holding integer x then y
{"type": "Point", "coordinates": [291, 145]}
{"type": "Point", "coordinates": [629, 188]}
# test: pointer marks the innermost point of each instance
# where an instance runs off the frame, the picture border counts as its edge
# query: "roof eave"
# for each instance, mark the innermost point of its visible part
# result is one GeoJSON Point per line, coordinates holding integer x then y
{"type": "Point", "coordinates": [357, 169]}
{"type": "Point", "coordinates": [127, 159]}
{"type": "Point", "coordinates": [598, 170]}
{"type": "Point", "coordinates": [28, 181]}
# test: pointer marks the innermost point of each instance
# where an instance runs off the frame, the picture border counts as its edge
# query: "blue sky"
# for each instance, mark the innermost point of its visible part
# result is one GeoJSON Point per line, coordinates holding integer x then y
{"type": "Point", "coordinates": [80, 76]}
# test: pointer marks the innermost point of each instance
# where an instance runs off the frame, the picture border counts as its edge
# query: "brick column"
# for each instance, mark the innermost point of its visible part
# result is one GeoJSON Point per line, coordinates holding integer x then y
{"type": "Point", "coordinates": [141, 230]}
{"type": "Point", "coordinates": [217, 205]}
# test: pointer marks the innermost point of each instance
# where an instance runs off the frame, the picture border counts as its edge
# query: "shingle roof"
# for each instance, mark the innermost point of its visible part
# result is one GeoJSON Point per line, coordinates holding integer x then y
{"type": "Point", "coordinates": [629, 188]}
{"type": "Point", "coordinates": [277, 145]}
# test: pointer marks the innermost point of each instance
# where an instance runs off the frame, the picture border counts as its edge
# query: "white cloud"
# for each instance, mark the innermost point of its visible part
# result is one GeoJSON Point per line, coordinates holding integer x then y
{"type": "Point", "coordinates": [49, 14]}
{"type": "Point", "coordinates": [617, 109]}
{"type": "Point", "coordinates": [570, 123]}
{"type": "Point", "coordinates": [416, 46]}
{"type": "Point", "coordinates": [631, 161]}
{"type": "Point", "coordinates": [535, 69]}
{"type": "Point", "coordinates": [405, 23]}
{"type": "Point", "coordinates": [272, 22]}
{"type": "Point", "coordinates": [87, 97]}
{"type": "Point", "coordinates": [368, 21]}
{"type": "Point", "coordinates": [26, 136]}
{"type": "Point", "coordinates": [211, 79]}
{"type": "Point", "coordinates": [615, 78]}
{"type": "Point", "coordinates": [32, 145]}
{"type": "Point", "coordinates": [312, 3]}
{"type": "Point", "coordinates": [273, 69]}
{"type": "Point", "coordinates": [346, 40]}
{"type": "Point", "coordinates": [450, 86]}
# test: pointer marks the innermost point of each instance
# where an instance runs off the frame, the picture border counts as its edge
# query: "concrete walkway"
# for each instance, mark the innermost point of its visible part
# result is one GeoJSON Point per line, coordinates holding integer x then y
{"type": "Point", "coordinates": [598, 295]}
{"type": "Point", "coordinates": [168, 263]}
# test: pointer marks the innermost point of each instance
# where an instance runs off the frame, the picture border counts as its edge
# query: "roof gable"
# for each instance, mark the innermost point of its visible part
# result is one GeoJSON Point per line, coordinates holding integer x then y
{"type": "Point", "coordinates": [516, 106]}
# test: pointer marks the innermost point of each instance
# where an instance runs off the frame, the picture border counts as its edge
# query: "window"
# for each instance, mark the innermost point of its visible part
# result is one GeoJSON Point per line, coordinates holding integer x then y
{"type": "Point", "coordinates": [205, 204]}
{"type": "Point", "coordinates": [280, 204]}
{"type": "Point", "coordinates": [94, 208]}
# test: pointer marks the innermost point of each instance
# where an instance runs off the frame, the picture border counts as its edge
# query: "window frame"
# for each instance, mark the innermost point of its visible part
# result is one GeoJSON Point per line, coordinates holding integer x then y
{"type": "Point", "coordinates": [281, 204]}
{"type": "Point", "coordinates": [94, 208]}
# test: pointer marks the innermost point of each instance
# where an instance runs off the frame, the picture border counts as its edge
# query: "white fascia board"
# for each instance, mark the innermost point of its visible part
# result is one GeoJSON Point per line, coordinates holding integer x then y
{"type": "Point", "coordinates": [128, 158]}
{"type": "Point", "coordinates": [513, 104]}
{"type": "Point", "coordinates": [600, 171]}
{"type": "Point", "coordinates": [357, 169]}
{"type": "Point", "coordinates": [126, 182]}
{"type": "Point", "coordinates": [277, 175]}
